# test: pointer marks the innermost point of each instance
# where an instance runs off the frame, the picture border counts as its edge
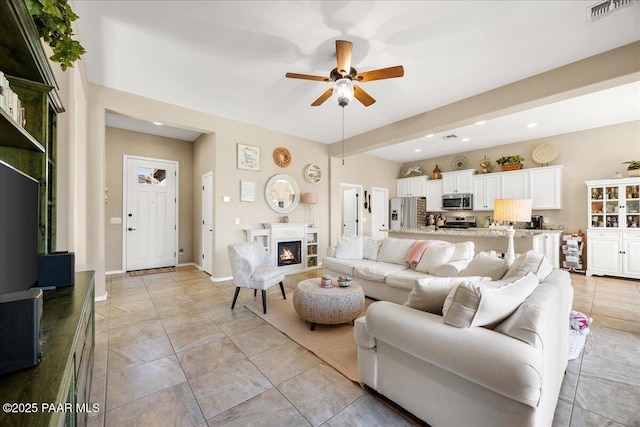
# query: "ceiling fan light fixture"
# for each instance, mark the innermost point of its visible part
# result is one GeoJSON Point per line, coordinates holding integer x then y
{"type": "Point", "coordinates": [343, 91]}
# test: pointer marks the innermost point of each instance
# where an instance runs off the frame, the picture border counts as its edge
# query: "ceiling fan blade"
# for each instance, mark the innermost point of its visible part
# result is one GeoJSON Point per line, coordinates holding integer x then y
{"type": "Point", "coordinates": [343, 56]}
{"type": "Point", "coordinates": [380, 74]}
{"type": "Point", "coordinates": [363, 96]}
{"type": "Point", "coordinates": [307, 77]}
{"type": "Point", "coordinates": [323, 97]}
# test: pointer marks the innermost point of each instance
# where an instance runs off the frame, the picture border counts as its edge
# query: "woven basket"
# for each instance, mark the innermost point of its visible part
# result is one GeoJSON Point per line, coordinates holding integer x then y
{"type": "Point", "coordinates": [511, 166]}
{"type": "Point", "coordinates": [634, 172]}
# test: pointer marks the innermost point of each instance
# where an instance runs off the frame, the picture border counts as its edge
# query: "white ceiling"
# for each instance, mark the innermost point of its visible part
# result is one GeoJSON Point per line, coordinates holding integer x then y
{"type": "Point", "coordinates": [229, 59]}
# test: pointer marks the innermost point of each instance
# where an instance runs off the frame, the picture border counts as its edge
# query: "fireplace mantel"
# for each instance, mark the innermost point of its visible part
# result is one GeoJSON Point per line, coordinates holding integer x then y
{"type": "Point", "coordinates": [277, 232]}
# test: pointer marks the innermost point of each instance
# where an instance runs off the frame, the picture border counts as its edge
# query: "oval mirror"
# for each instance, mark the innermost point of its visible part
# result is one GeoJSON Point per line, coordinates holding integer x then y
{"type": "Point", "coordinates": [282, 193]}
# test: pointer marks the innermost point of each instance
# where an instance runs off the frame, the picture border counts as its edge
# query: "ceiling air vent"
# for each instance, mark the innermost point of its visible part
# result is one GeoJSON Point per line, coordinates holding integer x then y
{"type": "Point", "coordinates": [452, 136]}
{"type": "Point", "coordinates": [606, 8]}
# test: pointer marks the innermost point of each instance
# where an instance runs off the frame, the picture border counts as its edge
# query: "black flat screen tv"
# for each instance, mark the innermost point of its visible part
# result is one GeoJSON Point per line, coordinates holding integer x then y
{"type": "Point", "coordinates": [19, 200]}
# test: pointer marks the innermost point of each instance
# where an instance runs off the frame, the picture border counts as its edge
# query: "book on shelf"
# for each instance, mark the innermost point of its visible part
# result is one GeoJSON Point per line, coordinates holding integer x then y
{"type": "Point", "coordinates": [10, 101]}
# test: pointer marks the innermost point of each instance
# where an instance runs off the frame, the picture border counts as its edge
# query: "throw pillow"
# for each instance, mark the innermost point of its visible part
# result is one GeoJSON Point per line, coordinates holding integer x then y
{"type": "Point", "coordinates": [483, 304]}
{"type": "Point", "coordinates": [486, 265]}
{"type": "Point", "coordinates": [434, 257]}
{"type": "Point", "coordinates": [428, 294]}
{"type": "Point", "coordinates": [395, 250]}
{"type": "Point", "coordinates": [532, 261]}
{"type": "Point", "coordinates": [349, 247]}
{"type": "Point", "coordinates": [462, 250]}
{"type": "Point", "coordinates": [371, 247]}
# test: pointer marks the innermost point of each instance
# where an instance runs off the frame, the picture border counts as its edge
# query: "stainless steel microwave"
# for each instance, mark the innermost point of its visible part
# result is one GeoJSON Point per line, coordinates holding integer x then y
{"type": "Point", "coordinates": [457, 202]}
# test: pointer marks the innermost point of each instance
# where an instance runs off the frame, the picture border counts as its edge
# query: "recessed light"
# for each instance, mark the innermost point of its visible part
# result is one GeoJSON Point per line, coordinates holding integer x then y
{"type": "Point", "coordinates": [157, 123]}
{"type": "Point", "coordinates": [466, 139]}
{"type": "Point", "coordinates": [429, 136]}
{"type": "Point", "coordinates": [532, 125]}
{"type": "Point", "coordinates": [417, 150]}
{"type": "Point", "coordinates": [481, 122]}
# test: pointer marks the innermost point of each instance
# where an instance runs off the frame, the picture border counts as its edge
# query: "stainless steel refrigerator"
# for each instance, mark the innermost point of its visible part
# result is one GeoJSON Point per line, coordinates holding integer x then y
{"type": "Point", "coordinates": [407, 213]}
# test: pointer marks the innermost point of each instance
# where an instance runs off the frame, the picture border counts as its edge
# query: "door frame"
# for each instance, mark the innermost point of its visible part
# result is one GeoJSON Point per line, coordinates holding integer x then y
{"type": "Point", "coordinates": [125, 159]}
{"type": "Point", "coordinates": [359, 189]}
{"type": "Point", "coordinates": [202, 178]}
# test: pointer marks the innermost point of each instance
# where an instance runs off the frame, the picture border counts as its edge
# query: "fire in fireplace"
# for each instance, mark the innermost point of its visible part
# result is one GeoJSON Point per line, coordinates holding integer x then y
{"type": "Point", "coordinates": [289, 253]}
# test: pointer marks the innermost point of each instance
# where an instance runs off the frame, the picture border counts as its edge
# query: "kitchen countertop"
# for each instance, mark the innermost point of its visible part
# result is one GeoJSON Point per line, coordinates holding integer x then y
{"type": "Point", "coordinates": [475, 232]}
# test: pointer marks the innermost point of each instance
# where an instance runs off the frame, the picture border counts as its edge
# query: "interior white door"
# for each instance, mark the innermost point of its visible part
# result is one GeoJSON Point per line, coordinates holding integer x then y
{"type": "Point", "coordinates": [207, 222]}
{"type": "Point", "coordinates": [150, 212]}
{"type": "Point", "coordinates": [350, 212]}
{"type": "Point", "coordinates": [379, 212]}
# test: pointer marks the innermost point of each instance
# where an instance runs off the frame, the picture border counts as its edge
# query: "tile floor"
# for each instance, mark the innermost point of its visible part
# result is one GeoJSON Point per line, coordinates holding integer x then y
{"type": "Point", "coordinates": [170, 352]}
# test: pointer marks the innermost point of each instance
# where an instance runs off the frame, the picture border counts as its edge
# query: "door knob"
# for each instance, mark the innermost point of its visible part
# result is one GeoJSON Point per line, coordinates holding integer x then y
{"type": "Point", "coordinates": [131, 229]}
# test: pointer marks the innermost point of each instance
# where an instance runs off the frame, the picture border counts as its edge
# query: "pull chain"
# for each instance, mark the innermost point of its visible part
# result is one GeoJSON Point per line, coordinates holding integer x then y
{"type": "Point", "coordinates": [343, 135]}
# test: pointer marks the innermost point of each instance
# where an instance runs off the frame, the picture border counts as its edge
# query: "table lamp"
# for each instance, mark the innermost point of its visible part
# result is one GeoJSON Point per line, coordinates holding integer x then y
{"type": "Point", "coordinates": [511, 210]}
{"type": "Point", "coordinates": [311, 199]}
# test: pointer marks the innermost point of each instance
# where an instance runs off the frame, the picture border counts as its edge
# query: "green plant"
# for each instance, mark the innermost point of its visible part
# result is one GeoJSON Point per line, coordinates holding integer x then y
{"type": "Point", "coordinates": [633, 165]}
{"type": "Point", "coordinates": [510, 159]}
{"type": "Point", "coordinates": [53, 20]}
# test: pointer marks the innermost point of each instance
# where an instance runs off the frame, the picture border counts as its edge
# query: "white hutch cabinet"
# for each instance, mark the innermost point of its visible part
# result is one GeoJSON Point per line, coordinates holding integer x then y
{"type": "Point", "coordinates": [613, 236]}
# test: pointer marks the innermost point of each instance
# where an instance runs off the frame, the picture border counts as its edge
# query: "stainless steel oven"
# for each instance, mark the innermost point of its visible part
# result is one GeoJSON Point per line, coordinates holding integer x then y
{"type": "Point", "coordinates": [457, 202]}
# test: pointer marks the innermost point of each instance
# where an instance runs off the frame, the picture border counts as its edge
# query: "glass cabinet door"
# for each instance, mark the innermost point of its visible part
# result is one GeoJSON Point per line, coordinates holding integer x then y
{"type": "Point", "coordinates": [597, 206]}
{"type": "Point", "coordinates": [632, 204]}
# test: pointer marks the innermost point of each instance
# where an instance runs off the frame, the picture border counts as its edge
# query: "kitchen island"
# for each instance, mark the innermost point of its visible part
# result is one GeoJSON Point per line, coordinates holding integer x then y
{"type": "Point", "coordinates": [546, 242]}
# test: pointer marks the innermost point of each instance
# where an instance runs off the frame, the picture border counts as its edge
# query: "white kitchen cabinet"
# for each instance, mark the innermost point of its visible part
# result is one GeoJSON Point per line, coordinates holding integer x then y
{"type": "Point", "coordinates": [549, 245]}
{"type": "Point", "coordinates": [458, 181]}
{"type": "Point", "coordinates": [545, 187]}
{"type": "Point", "coordinates": [486, 189]}
{"type": "Point", "coordinates": [434, 195]}
{"type": "Point", "coordinates": [514, 184]}
{"type": "Point", "coordinates": [411, 187]}
{"type": "Point", "coordinates": [613, 236]}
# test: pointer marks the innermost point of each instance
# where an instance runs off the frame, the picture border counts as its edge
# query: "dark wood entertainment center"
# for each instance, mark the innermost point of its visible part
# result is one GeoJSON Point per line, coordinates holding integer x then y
{"type": "Point", "coordinates": [63, 376]}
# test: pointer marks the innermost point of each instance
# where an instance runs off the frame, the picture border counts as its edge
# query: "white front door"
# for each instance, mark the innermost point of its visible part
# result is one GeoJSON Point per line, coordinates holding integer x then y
{"type": "Point", "coordinates": [379, 212]}
{"type": "Point", "coordinates": [207, 222]}
{"type": "Point", "coordinates": [150, 212]}
{"type": "Point", "coordinates": [350, 212]}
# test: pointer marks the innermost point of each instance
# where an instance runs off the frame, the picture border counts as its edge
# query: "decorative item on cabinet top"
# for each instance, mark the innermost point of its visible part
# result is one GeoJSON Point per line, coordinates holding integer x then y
{"type": "Point", "coordinates": [282, 157]}
{"type": "Point", "coordinates": [511, 163]}
{"type": "Point", "coordinates": [413, 171]}
{"type": "Point", "coordinates": [436, 173]}
{"type": "Point", "coordinates": [544, 154]}
{"type": "Point", "coordinates": [485, 165]}
{"type": "Point", "coordinates": [459, 162]}
{"type": "Point", "coordinates": [633, 168]}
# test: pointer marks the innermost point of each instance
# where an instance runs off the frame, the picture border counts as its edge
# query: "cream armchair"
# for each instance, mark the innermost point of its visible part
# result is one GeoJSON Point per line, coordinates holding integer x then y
{"type": "Point", "coordinates": [255, 269]}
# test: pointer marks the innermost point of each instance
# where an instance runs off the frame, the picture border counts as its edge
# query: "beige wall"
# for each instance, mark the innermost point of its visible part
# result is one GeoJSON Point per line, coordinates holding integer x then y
{"type": "Point", "coordinates": [364, 170]}
{"type": "Point", "coordinates": [120, 142]}
{"type": "Point", "coordinates": [586, 155]}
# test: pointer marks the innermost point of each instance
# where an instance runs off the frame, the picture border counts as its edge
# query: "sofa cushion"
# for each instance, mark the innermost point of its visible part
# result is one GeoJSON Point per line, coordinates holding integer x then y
{"type": "Point", "coordinates": [463, 250]}
{"type": "Point", "coordinates": [377, 271]}
{"type": "Point", "coordinates": [371, 247]}
{"type": "Point", "coordinates": [349, 247]}
{"type": "Point", "coordinates": [484, 304]}
{"type": "Point", "coordinates": [395, 250]}
{"type": "Point", "coordinates": [344, 266]}
{"type": "Point", "coordinates": [405, 279]}
{"type": "Point", "coordinates": [434, 257]}
{"type": "Point", "coordinates": [429, 293]}
{"type": "Point", "coordinates": [486, 265]}
{"type": "Point", "coordinates": [532, 261]}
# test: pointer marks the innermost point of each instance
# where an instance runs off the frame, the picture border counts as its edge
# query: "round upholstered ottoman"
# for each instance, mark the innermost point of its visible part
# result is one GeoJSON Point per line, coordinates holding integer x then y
{"type": "Point", "coordinates": [327, 306]}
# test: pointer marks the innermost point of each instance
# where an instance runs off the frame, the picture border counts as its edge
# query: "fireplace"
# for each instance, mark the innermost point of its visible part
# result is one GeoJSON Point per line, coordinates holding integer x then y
{"type": "Point", "coordinates": [289, 253]}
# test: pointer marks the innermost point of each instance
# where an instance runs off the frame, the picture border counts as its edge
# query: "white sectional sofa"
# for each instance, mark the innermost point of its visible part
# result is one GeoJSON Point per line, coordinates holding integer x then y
{"type": "Point", "coordinates": [380, 267]}
{"type": "Point", "coordinates": [470, 353]}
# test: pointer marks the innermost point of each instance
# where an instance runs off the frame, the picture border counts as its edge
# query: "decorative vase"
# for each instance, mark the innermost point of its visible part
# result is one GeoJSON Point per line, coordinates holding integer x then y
{"type": "Point", "coordinates": [511, 166]}
{"type": "Point", "coordinates": [436, 173]}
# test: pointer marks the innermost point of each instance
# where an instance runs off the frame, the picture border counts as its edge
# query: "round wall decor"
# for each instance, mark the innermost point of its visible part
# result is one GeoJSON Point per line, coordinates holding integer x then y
{"type": "Point", "coordinates": [545, 153]}
{"type": "Point", "coordinates": [312, 174]}
{"type": "Point", "coordinates": [282, 157]}
{"type": "Point", "coordinates": [459, 163]}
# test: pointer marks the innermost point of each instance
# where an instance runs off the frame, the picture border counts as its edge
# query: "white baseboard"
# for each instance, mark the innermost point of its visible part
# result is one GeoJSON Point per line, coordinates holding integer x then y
{"type": "Point", "coordinates": [101, 297]}
{"type": "Point", "coordinates": [189, 264]}
{"type": "Point", "coordinates": [110, 273]}
{"type": "Point", "coordinates": [221, 279]}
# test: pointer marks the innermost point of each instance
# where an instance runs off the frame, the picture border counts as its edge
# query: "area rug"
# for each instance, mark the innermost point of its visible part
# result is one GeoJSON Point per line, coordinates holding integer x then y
{"type": "Point", "coordinates": [152, 271]}
{"type": "Point", "coordinates": [333, 344]}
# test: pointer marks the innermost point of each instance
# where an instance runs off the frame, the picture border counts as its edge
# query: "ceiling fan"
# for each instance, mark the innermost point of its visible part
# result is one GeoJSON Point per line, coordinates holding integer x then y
{"type": "Point", "coordinates": [344, 75]}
